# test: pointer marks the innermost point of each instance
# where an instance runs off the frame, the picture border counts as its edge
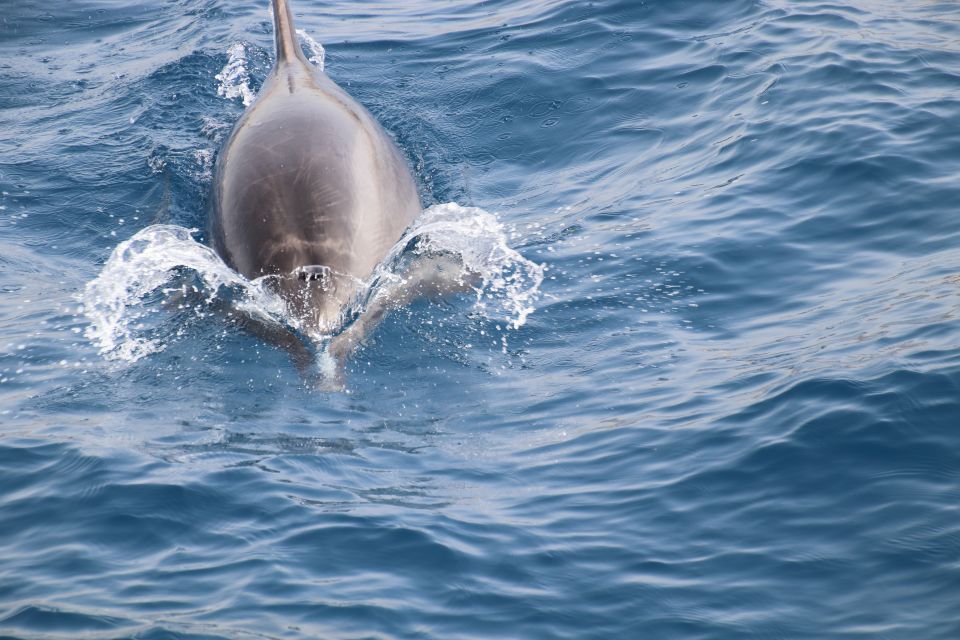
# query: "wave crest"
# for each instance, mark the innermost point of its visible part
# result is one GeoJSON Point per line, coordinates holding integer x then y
{"type": "Point", "coordinates": [234, 79]}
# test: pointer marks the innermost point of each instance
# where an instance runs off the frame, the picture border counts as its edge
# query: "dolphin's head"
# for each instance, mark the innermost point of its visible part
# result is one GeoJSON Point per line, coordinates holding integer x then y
{"type": "Point", "coordinates": [316, 297]}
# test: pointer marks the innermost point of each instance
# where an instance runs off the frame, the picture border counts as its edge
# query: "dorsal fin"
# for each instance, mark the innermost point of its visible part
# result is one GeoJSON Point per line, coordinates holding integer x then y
{"type": "Point", "coordinates": [286, 38]}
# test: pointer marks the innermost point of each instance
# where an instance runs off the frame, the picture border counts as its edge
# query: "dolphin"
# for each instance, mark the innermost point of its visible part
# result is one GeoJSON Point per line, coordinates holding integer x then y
{"type": "Point", "coordinates": [309, 190]}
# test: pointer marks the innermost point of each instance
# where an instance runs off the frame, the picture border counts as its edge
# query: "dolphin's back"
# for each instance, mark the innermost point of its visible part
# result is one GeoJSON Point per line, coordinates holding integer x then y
{"type": "Point", "coordinates": [308, 177]}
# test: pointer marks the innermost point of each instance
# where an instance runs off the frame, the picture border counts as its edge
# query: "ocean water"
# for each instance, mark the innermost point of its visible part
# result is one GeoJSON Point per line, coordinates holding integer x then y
{"type": "Point", "coordinates": [708, 385]}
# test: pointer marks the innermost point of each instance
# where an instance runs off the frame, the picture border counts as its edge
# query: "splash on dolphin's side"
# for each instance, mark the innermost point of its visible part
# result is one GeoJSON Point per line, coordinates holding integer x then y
{"type": "Point", "coordinates": [127, 303]}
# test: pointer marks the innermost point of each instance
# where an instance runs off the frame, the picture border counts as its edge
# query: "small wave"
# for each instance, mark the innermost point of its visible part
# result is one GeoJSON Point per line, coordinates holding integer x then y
{"type": "Point", "coordinates": [163, 263]}
{"type": "Point", "coordinates": [234, 78]}
{"type": "Point", "coordinates": [317, 53]}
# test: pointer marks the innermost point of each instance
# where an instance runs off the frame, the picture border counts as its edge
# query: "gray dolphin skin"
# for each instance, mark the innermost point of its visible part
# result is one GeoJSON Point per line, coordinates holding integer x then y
{"type": "Point", "coordinates": [309, 188]}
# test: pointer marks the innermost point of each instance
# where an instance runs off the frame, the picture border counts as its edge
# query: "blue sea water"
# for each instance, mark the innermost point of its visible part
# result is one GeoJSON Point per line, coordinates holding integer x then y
{"type": "Point", "coordinates": [710, 389]}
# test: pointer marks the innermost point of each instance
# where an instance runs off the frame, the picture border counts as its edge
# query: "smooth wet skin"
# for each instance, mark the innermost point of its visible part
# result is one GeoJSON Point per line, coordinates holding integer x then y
{"type": "Point", "coordinates": [307, 178]}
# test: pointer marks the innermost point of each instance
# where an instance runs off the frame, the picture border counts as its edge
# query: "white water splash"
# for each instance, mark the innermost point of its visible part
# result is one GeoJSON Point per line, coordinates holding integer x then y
{"type": "Point", "coordinates": [317, 53]}
{"type": "Point", "coordinates": [508, 284]}
{"type": "Point", "coordinates": [204, 160]}
{"type": "Point", "coordinates": [234, 79]}
{"type": "Point", "coordinates": [116, 301]}
{"type": "Point", "coordinates": [119, 301]}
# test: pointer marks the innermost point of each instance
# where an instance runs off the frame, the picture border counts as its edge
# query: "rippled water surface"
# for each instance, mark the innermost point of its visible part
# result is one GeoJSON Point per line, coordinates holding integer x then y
{"type": "Point", "coordinates": [720, 400]}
